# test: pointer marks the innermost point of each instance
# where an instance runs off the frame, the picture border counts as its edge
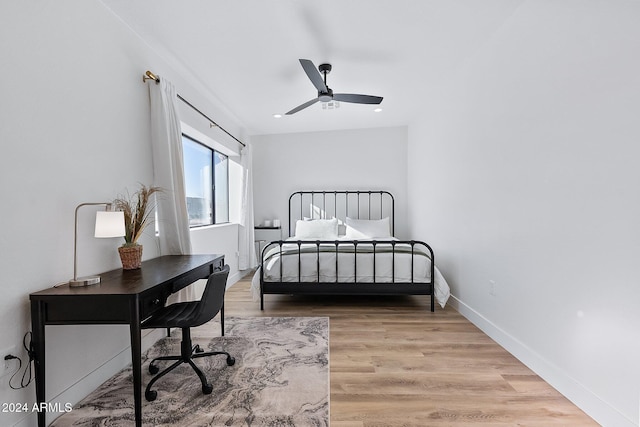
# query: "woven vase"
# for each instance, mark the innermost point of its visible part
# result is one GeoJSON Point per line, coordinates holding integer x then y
{"type": "Point", "coordinates": [131, 256]}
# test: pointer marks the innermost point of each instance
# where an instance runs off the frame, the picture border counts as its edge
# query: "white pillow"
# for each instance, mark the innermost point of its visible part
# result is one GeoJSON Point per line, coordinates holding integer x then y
{"type": "Point", "coordinates": [320, 229]}
{"type": "Point", "coordinates": [367, 228]}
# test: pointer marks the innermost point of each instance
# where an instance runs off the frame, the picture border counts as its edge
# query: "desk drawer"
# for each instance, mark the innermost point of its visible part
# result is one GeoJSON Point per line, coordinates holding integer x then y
{"type": "Point", "coordinates": [152, 302]}
{"type": "Point", "coordinates": [218, 264]}
{"type": "Point", "coordinates": [86, 310]}
{"type": "Point", "coordinates": [199, 273]}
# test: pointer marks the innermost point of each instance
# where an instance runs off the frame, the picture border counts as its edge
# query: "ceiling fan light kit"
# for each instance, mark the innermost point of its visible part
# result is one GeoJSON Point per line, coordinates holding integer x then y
{"type": "Point", "coordinates": [331, 105]}
{"type": "Point", "coordinates": [325, 93]}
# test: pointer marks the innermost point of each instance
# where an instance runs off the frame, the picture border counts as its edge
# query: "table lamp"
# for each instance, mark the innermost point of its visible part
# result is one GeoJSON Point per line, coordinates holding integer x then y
{"type": "Point", "coordinates": [108, 224]}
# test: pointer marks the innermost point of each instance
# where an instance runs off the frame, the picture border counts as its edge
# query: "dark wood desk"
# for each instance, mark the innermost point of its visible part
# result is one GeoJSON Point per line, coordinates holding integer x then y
{"type": "Point", "coordinates": [122, 297]}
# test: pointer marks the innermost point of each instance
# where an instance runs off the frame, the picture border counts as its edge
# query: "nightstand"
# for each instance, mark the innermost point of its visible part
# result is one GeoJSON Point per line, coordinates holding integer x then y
{"type": "Point", "coordinates": [264, 235]}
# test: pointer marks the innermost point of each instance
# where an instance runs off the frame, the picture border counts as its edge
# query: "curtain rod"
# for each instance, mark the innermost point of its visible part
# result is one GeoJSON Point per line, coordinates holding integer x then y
{"type": "Point", "coordinates": [150, 76]}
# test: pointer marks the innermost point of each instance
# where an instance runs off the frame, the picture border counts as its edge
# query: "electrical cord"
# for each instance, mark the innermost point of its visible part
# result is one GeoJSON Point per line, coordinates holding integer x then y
{"type": "Point", "coordinates": [27, 375]}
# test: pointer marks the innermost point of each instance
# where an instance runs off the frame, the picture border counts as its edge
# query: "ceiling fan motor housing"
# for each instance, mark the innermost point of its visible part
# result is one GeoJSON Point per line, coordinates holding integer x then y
{"type": "Point", "coordinates": [326, 96]}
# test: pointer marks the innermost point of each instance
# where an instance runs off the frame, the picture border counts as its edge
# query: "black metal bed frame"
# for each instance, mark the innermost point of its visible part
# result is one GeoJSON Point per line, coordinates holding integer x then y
{"type": "Point", "coordinates": [341, 208]}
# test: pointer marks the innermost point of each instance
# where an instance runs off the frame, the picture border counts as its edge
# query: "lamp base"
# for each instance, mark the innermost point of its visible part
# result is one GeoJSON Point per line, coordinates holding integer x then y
{"type": "Point", "coordinates": [84, 281]}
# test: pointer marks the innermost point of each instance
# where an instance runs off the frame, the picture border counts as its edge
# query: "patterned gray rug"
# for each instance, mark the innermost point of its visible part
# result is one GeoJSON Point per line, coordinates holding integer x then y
{"type": "Point", "coordinates": [281, 378]}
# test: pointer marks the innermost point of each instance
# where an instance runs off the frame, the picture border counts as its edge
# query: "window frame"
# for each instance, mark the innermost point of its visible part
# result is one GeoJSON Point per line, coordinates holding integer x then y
{"type": "Point", "coordinates": [213, 181]}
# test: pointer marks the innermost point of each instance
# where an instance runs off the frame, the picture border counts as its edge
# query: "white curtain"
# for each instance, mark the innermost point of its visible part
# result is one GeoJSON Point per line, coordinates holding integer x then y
{"type": "Point", "coordinates": [168, 173]}
{"type": "Point", "coordinates": [246, 239]}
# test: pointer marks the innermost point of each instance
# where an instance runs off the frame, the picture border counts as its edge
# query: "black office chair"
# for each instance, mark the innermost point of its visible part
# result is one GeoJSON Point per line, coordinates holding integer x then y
{"type": "Point", "coordinates": [186, 315]}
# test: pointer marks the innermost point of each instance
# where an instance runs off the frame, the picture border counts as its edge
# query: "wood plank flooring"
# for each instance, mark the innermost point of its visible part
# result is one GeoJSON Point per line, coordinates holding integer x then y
{"type": "Point", "coordinates": [394, 363]}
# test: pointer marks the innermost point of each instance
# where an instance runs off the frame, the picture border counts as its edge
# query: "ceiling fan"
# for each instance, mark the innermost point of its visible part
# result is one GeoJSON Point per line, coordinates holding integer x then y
{"type": "Point", "coordinates": [325, 93]}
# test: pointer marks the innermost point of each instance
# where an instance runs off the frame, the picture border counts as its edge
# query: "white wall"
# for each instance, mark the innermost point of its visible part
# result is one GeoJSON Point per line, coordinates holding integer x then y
{"type": "Point", "coordinates": [219, 239]}
{"type": "Point", "coordinates": [75, 128]}
{"type": "Point", "coordinates": [338, 160]}
{"type": "Point", "coordinates": [532, 150]}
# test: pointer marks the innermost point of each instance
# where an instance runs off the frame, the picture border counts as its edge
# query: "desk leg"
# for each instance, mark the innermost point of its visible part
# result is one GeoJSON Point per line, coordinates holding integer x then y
{"type": "Point", "coordinates": [136, 361]}
{"type": "Point", "coordinates": [37, 339]}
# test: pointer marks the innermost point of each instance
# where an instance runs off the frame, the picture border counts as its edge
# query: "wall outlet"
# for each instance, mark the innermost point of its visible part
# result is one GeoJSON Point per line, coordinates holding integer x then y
{"type": "Point", "coordinates": [492, 288]}
{"type": "Point", "coordinates": [9, 366]}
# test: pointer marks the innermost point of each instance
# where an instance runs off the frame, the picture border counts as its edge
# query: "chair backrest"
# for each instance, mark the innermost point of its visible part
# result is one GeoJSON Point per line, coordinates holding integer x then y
{"type": "Point", "coordinates": [212, 298]}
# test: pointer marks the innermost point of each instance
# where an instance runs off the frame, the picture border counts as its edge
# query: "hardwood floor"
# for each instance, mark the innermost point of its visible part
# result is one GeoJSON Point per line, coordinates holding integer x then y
{"type": "Point", "coordinates": [394, 363]}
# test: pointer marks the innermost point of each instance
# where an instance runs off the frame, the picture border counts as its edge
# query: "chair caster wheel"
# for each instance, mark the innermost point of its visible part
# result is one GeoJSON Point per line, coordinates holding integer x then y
{"type": "Point", "coordinates": [197, 349]}
{"type": "Point", "coordinates": [207, 389]}
{"type": "Point", "coordinates": [231, 361]}
{"type": "Point", "coordinates": [153, 369]}
{"type": "Point", "coordinates": [150, 395]}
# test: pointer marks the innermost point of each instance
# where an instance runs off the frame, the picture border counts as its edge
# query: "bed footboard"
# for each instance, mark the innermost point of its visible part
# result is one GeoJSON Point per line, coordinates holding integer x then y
{"type": "Point", "coordinates": [347, 267]}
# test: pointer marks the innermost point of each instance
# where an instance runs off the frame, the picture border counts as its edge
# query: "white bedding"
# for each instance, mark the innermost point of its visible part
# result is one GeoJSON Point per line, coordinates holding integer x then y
{"type": "Point", "coordinates": [386, 265]}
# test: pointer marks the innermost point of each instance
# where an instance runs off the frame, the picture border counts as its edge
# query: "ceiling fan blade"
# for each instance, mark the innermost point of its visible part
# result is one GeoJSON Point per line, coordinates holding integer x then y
{"type": "Point", "coordinates": [357, 99]}
{"type": "Point", "coordinates": [302, 107]}
{"type": "Point", "coordinates": [314, 75]}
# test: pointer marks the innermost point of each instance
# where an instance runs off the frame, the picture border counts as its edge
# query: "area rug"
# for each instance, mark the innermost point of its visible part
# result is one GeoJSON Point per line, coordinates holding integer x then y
{"type": "Point", "coordinates": [280, 378]}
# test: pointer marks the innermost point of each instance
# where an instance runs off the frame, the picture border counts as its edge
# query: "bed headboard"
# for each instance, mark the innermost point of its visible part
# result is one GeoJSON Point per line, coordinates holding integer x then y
{"type": "Point", "coordinates": [368, 204]}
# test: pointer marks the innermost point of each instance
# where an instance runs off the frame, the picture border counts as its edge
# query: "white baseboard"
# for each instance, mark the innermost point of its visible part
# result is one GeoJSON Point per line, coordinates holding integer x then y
{"type": "Point", "coordinates": [29, 421]}
{"type": "Point", "coordinates": [601, 411]}
{"type": "Point", "coordinates": [233, 278]}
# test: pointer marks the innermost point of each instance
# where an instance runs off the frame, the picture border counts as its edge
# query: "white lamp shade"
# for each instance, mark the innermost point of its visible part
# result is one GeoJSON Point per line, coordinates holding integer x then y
{"type": "Point", "coordinates": [109, 224]}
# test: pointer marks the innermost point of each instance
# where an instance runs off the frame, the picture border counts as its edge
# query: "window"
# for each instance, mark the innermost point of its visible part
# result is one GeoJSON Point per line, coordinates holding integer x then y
{"type": "Point", "coordinates": [206, 176]}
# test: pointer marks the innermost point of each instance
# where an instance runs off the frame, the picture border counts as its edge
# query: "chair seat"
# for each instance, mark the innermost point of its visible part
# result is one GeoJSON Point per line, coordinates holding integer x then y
{"type": "Point", "coordinates": [178, 315]}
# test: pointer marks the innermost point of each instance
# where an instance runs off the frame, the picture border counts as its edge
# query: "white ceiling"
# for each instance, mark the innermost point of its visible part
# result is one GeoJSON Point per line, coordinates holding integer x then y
{"type": "Point", "coordinates": [246, 52]}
